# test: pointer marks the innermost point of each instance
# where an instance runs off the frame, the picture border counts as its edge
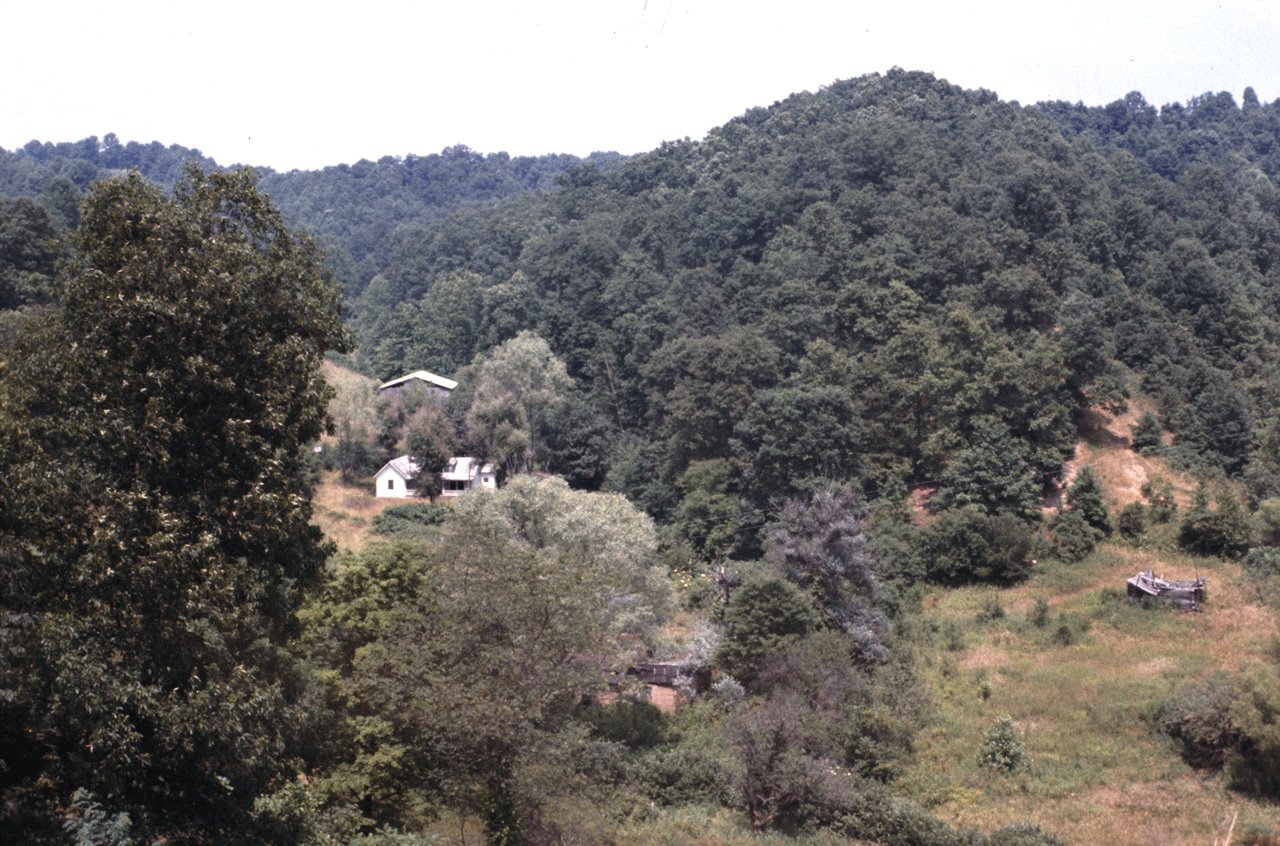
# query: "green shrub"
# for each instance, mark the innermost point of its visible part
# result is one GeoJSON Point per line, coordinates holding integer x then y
{"type": "Point", "coordinates": [952, 636]}
{"type": "Point", "coordinates": [991, 611]}
{"type": "Point", "coordinates": [636, 725]}
{"type": "Point", "coordinates": [1084, 497]}
{"type": "Point", "coordinates": [1263, 562]}
{"type": "Point", "coordinates": [1145, 435]}
{"type": "Point", "coordinates": [1255, 763]}
{"type": "Point", "coordinates": [1131, 522]}
{"type": "Point", "coordinates": [964, 546]}
{"type": "Point", "coordinates": [1198, 717]}
{"type": "Point", "coordinates": [875, 743]}
{"type": "Point", "coordinates": [408, 519]}
{"type": "Point", "coordinates": [1064, 636]}
{"type": "Point", "coordinates": [1073, 537]}
{"type": "Point", "coordinates": [1223, 531]}
{"type": "Point", "coordinates": [1231, 723]}
{"type": "Point", "coordinates": [1038, 616]}
{"type": "Point", "coordinates": [681, 775]}
{"type": "Point", "coordinates": [763, 617]}
{"type": "Point", "coordinates": [869, 812]}
{"type": "Point", "coordinates": [1002, 747]}
{"type": "Point", "coordinates": [1163, 506]}
{"type": "Point", "coordinates": [88, 824]}
{"type": "Point", "coordinates": [1023, 834]}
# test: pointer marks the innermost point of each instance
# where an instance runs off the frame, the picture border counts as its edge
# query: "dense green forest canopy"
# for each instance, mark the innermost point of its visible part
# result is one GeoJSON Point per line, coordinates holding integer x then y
{"type": "Point", "coordinates": [361, 212]}
{"type": "Point", "coordinates": [924, 277]}
{"type": "Point", "coordinates": [926, 280]}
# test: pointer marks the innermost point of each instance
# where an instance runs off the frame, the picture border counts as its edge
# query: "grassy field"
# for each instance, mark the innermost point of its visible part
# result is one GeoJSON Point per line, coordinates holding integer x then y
{"type": "Point", "coordinates": [345, 512]}
{"type": "Point", "coordinates": [1082, 688]}
{"type": "Point", "coordinates": [1082, 683]}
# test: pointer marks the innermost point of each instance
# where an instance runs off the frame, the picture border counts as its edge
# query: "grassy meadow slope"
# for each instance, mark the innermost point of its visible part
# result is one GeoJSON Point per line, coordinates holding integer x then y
{"type": "Point", "coordinates": [344, 512]}
{"type": "Point", "coordinates": [1082, 679]}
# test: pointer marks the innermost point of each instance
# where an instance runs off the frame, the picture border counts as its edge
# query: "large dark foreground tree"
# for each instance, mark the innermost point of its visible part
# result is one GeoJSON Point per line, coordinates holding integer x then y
{"type": "Point", "coordinates": [154, 521]}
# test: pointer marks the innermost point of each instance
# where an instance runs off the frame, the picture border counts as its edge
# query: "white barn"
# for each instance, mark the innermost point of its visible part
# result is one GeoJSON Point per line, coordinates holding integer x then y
{"type": "Point", "coordinates": [462, 474]}
{"type": "Point", "coordinates": [438, 386]}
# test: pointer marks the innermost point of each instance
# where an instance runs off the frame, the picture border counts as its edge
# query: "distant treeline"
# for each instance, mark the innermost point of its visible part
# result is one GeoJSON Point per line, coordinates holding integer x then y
{"type": "Point", "coordinates": [358, 211]}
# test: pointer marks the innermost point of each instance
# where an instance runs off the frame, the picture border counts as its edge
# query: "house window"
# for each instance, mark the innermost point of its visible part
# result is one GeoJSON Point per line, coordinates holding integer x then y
{"type": "Point", "coordinates": [455, 485]}
{"type": "Point", "coordinates": [391, 484]}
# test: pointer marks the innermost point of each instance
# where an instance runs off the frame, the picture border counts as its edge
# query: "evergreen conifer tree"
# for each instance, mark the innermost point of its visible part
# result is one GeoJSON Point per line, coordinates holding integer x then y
{"type": "Point", "coordinates": [1085, 497]}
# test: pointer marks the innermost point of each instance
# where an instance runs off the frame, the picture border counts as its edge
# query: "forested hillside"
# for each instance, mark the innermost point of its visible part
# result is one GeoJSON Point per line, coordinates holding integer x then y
{"type": "Point", "coordinates": [924, 283]}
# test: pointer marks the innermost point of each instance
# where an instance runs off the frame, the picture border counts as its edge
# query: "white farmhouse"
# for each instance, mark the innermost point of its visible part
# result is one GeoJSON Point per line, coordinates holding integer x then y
{"type": "Point", "coordinates": [464, 474]}
{"type": "Point", "coordinates": [460, 475]}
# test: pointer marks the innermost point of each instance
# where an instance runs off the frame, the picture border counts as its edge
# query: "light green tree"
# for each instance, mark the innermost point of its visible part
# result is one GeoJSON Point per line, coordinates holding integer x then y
{"type": "Point", "coordinates": [526, 588]}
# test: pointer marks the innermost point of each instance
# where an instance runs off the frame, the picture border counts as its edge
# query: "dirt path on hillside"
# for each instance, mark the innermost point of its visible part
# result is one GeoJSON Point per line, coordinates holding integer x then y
{"type": "Point", "coordinates": [1103, 444]}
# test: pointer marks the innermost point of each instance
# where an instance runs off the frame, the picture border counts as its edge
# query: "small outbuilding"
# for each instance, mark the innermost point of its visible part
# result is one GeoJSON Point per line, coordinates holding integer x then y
{"type": "Point", "coordinates": [1185, 593]}
{"type": "Point", "coordinates": [423, 380]}
{"type": "Point", "coordinates": [657, 682]}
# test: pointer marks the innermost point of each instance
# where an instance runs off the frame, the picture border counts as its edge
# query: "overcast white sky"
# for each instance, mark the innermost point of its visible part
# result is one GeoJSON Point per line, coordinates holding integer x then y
{"type": "Point", "coordinates": [294, 85]}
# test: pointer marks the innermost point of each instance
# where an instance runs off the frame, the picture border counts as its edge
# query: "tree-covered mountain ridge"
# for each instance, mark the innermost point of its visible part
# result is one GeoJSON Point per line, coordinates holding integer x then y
{"type": "Point", "coordinates": [892, 278]}
{"type": "Point", "coordinates": [923, 277]}
{"type": "Point", "coordinates": [359, 211]}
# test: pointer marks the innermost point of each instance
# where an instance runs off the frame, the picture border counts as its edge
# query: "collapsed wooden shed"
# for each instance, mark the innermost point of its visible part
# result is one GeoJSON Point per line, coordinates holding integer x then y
{"type": "Point", "coordinates": [1187, 594]}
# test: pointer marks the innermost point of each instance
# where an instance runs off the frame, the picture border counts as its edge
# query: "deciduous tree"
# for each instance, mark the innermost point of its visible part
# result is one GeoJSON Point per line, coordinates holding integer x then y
{"type": "Point", "coordinates": [154, 522]}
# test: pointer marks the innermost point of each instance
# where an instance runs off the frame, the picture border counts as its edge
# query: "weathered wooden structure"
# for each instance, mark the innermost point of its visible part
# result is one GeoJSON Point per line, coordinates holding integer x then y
{"type": "Point", "coordinates": [1187, 594]}
{"type": "Point", "coordinates": [654, 681]}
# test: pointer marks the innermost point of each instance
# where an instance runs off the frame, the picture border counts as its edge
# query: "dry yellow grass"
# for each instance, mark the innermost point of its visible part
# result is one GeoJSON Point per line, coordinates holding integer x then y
{"type": "Point", "coordinates": [344, 512]}
{"type": "Point", "coordinates": [1104, 446]}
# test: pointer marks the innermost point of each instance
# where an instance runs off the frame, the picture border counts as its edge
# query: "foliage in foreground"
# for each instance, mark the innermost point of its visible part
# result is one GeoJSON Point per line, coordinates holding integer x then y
{"type": "Point", "coordinates": [154, 519]}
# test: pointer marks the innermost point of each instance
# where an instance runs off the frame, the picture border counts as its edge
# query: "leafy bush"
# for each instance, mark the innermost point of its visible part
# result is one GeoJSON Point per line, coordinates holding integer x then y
{"type": "Point", "coordinates": [1023, 834]}
{"type": "Point", "coordinates": [1131, 522]}
{"type": "Point", "coordinates": [1163, 506]}
{"type": "Point", "coordinates": [992, 610]}
{"type": "Point", "coordinates": [1255, 713]}
{"type": "Point", "coordinates": [636, 725]}
{"type": "Point", "coordinates": [729, 691]}
{"type": "Point", "coordinates": [409, 519]}
{"type": "Point", "coordinates": [1199, 718]}
{"type": "Point", "coordinates": [1223, 531]}
{"type": "Point", "coordinates": [1145, 435]}
{"type": "Point", "coordinates": [1084, 497]}
{"type": "Point", "coordinates": [1230, 723]}
{"type": "Point", "coordinates": [875, 743]}
{"type": "Point", "coordinates": [89, 824]}
{"type": "Point", "coordinates": [1263, 562]}
{"type": "Point", "coordinates": [681, 775]}
{"type": "Point", "coordinates": [1002, 747]}
{"type": "Point", "coordinates": [1073, 537]}
{"type": "Point", "coordinates": [964, 545]}
{"type": "Point", "coordinates": [1038, 616]}
{"type": "Point", "coordinates": [763, 617]}
{"type": "Point", "coordinates": [869, 812]}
